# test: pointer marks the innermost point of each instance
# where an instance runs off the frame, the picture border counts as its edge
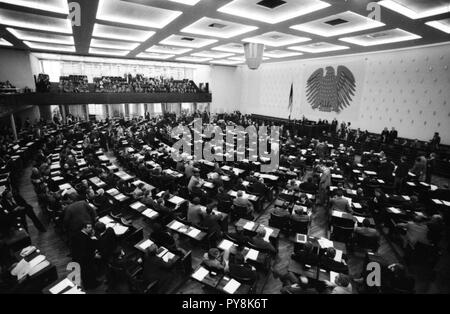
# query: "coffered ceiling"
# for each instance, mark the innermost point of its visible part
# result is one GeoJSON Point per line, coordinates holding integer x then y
{"type": "Point", "coordinates": [213, 31]}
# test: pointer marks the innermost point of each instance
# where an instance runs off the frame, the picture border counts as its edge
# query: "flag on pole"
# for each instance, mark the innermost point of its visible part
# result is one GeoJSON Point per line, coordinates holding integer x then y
{"type": "Point", "coordinates": [291, 100]}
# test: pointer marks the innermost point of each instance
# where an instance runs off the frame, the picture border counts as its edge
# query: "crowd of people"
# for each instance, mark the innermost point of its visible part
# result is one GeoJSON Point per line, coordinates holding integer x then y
{"type": "Point", "coordinates": [141, 84]}
{"type": "Point", "coordinates": [91, 243]}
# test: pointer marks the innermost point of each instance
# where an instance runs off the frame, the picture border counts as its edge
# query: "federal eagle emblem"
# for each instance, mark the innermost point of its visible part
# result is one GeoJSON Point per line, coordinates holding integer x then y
{"type": "Point", "coordinates": [331, 92]}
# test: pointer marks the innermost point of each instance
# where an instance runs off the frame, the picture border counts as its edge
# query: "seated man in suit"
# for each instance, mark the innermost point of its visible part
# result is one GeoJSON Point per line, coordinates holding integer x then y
{"type": "Point", "coordinates": [341, 285]}
{"type": "Point", "coordinates": [328, 261]}
{"type": "Point", "coordinates": [213, 260]}
{"type": "Point", "coordinates": [240, 236]}
{"type": "Point", "coordinates": [260, 188]}
{"type": "Point", "coordinates": [261, 244]}
{"type": "Point", "coordinates": [296, 285]}
{"type": "Point", "coordinates": [280, 212]}
{"type": "Point", "coordinates": [161, 237]}
{"type": "Point", "coordinates": [222, 196]}
{"type": "Point", "coordinates": [292, 186]}
{"type": "Point", "coordinates": [242, 201]}
{"type": "Point", "coordinates": [100, 200]}
{"type": "Point", "coordinates": [194, 212]}
{"type": "Point", "coordinates": [367, 231]}
{"type": "Point", "coordinates": [211, 221]}
{"type": "Point", "coordinates": [154, 267]}
{"type": "Point", "coordinates": [308, 185]}
{"type": "Point", "coordinates": [305, 253]}
{"type": "Point", "coordinates": [238, 268]}
{"type": "Point", "coordinates": [340, 203]}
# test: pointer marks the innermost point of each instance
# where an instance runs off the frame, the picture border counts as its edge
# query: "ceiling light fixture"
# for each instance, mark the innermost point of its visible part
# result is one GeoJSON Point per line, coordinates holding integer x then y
{"type": "Point", "coordinates": [413, 14]}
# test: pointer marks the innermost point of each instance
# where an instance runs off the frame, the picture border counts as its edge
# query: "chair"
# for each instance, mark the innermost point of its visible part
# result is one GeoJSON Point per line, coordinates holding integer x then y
{"type": "Point", "coordinates": [341, 234]}
{"type": "Point", "coordinates": [280, 222]}
{"type": "Point", "coordinates": [238, 212]}
{"type": "Point", "coordinates": [299, 226]}
{"type": "Point", "coordinates": [365, 242]}
{"type": "Point", "coordinates": [186, 263]}
{"type": "Point", "coordinates": [224, 206]}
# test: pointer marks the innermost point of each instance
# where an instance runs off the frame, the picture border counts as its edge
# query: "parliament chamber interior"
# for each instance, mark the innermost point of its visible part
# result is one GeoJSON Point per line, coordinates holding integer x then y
{"type": "Point", "coordinates": [224, 147]}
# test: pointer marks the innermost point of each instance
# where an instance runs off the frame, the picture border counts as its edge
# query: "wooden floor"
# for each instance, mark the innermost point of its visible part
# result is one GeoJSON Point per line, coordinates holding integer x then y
{"type": "Point", "coordinates": [54, 247]}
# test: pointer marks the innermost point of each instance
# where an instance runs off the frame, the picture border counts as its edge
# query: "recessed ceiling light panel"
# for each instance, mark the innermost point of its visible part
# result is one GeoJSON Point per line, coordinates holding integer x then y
{"type": "Point", "coordinates": [4, 42]}
{"type": "Point", "coordinates": [121, 33]}
{"type": "Point", "coordinates": [52, 47]}
{"type": "Point", "coordinates": [108, 52]}
{"type": "Point", "coordinates": [193, 59]}
{"type": "Point", "coordinates": [338, 24]}
{"type": "Point", "coordinates": [168, 49]}
{"type": "Point", "coordinates": [41, 37]}
{"type": "Point", "coordinates": [272, 11]}
{"type": "Point", "coordinates": [231, 47]}
{"type": "Point", "coordinates": [35, 22]}
{"type": "Point", "coordinates": [276, 39]}
{"type": "Point", "coordinates": [113, 44]}
{"type": "Point", "coordinates": [277, 54]}
{"type": "Point", "coordinates": [135, 14]}
{"type": "Point", "coordinates": [152, 55]}
{"type": "Point", "coordinates": [187, 41]}
{"type": "Point", "coordinates": [217, 28]}
{"type": "Point", "coordinates": [442, 25]}
{"type": "Point", "coordinates": [381, 38]}
{"type": "Point", "coordinates": [417, 9]}
{"type": "Point", "coordinates": [318, 47]}
{"type": "Point", "coordinates": [212, 54]}
{"type": "Point", "coordinates": [57, 6]}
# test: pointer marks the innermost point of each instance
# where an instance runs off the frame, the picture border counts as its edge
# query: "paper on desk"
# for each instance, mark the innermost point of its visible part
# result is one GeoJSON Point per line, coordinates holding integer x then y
{"type": "Point", "coordinates": [38, 267]}
{"type": "Point", "coordinates": [325, 243]}
{"type": "Point", "coordinates": [168, 256]}
{"type": "Point", "coordinates": [411, 183]}
{"type": "Point", "coordinates": [226, 245]}
{"type": "Point", "coordinates": [193, 233]}
{"type": "Point", "coordinates": [338, 256]}
{"type": "Point", "coordinates": [61, 286]}
{"type": "Point", "coordinates": [149, 213]}
{"type": "Point", "coordinates": [395, 210]}
{"type": "Point", "coordinates": [359, 219]}
{"type": "Point", "coordinates": [200, 274]}
{"type": "Point", "coordinates": [176, 200]}
{"type": "Point", "coordinates": [249, 225]}
{"type": "Point", "coordinates": [137, 205]}
{"type": "Point", "coordinates": [269, 231]}
{"type": "Point", "coordinates": [21, 269]}
{"type": "Point", "coordinates": [232, 286]}
{"type": "Point", "coordinates": [146, 244]}
{"type": "Point", "coordinates": [357, 205]}
{"type": "Point", "coordinates": [433, 187]}
{"type": "Point", "coordinates": [120, 229]}
{"type": "Point", "coordinates": [333, 276]}
{"type": "Point", "coordinates": [406, 197]}
{"type": "Point", "coordinates": [252, 255]}
{"type": "Point", "coordinates": [446, 203]}
{"type": "Point", "coordinates": [163, 251]}
{"type": "Point", "coordinates": [176, 225]}
{"type": "Point", "coordinates": [37, 260]}
{"type": "Point", "coordinates": [106, 220]}
{"type": "Point", "coordinates": [74, 290]}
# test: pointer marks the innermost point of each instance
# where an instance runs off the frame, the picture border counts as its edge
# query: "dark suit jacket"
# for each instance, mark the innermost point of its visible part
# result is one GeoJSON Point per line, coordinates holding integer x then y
{"type": "Point", "coordinates": [83, 249]}
{"type": "Point", "coordinates": [76, 214]}
{"type": "Point", "coordinates": [241, 271]}
{"type": "Point", "coordinates": [107, 243]}
{"type": "Point", "coordinates": [154, 269]}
